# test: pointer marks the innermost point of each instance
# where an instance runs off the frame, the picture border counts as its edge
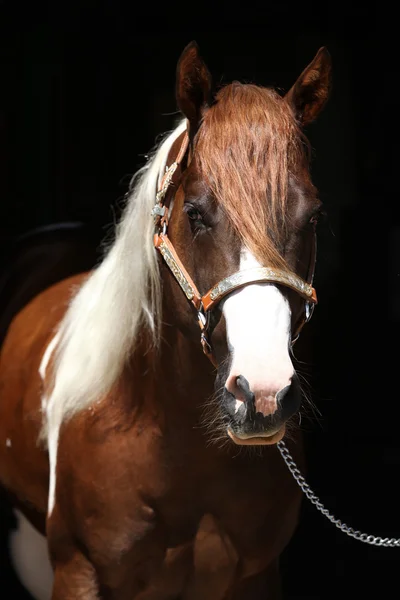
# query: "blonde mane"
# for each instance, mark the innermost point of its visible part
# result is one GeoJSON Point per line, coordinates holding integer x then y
{"type": "Point", "coordinates": [120, 299]}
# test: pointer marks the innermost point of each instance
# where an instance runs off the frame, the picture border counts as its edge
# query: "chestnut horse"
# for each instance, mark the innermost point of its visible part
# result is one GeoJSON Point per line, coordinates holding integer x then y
{"type": "Point", "coordinates": [122, 438]}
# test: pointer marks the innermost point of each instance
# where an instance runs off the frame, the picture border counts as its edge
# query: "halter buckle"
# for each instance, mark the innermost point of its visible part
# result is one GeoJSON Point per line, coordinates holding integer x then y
{"type": "Point", "coordinates": [309, 309]}
{"type": "Point", "coordinates": [157, 211]}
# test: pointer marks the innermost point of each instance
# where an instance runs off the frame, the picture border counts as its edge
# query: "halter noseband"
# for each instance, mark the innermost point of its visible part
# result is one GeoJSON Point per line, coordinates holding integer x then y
{"type": "Point", "coordinates": [205, 304]}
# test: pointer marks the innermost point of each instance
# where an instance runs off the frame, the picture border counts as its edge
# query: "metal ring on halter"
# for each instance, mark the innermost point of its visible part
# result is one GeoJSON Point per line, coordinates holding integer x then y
{"type": "Point", "coordinates": [202, 317]}
{"type": "Point", "coordinates": [206, 343]}
{"type": "Point", "coordinates": [309, 309]}
{"type": "Point", "coordinates": [294, 340]}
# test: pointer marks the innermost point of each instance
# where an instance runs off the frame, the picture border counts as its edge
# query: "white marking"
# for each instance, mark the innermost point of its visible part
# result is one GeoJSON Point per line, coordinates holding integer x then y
{"type": "Point", "coordinates": [43, 366]}
{"type": "Point", "coordinates": [8, 443]}
{"type": "Point", "coordinates": [52, 442]}
{"type": "Point", "coordinates": [30, 558]}
{"type": "Point", "coordinates": [47, 355]}
{"type": "Point", "coordinates": [238, 404]}
{"type": "Point", "coordinates": [258, 328]}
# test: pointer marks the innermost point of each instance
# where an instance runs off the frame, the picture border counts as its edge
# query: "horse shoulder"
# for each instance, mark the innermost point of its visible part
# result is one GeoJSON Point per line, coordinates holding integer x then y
{"type": "Point", "coordinates": [23, 462]}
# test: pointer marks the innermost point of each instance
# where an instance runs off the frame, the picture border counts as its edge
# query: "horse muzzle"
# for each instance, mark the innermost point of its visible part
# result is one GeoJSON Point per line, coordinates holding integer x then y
{"type": "Point", "coordinates": [246, 425]}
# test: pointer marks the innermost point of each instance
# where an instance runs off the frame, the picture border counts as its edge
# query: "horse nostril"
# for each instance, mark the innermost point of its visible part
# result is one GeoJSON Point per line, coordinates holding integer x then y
{"type": "Point", "coordinates": [258, 405]}
{"type": "Point", "coordinates": [243, 385]}
{"type": "Point", "coordinates": [239, 387]}
{"type": "Point", "coordinates": [289, 398]}
{"type": "Point", "coordinates": [267, 398]}
{"type": "Point", "coordinates": [280, 396]}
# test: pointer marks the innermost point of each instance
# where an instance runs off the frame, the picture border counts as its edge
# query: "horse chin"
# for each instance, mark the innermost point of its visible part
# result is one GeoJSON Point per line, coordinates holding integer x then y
{"type": "Point", "coordinates": [263, 439]}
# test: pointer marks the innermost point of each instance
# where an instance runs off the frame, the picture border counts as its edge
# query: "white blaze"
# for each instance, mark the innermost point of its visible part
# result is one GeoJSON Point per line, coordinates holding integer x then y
{"type": "Point", "coordinates": [258, 328]}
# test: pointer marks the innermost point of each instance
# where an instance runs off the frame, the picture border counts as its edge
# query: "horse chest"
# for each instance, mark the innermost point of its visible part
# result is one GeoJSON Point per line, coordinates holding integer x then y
{"type": "Point", "coordinates": [199, 521]}
{"type": "Point", "coordinates": [212, 564]}
{"type": "Point", "coordinates": [234, 514]}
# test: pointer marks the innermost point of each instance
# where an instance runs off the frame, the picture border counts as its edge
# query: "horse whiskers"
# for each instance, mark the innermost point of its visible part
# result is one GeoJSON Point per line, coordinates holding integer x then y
{"type": "Point", "coordinates": [291, 428]}
{"type": "Point", "coordinates": [221, 441]}
{"type": "Point", "coordinates": [213, 421]}
{"type": "Point", "coordinates": [306, 391]}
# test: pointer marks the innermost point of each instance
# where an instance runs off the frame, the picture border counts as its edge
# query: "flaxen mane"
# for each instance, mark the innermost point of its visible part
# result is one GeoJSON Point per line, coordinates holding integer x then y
{"type": "Point", "coordinates": [120, 298]}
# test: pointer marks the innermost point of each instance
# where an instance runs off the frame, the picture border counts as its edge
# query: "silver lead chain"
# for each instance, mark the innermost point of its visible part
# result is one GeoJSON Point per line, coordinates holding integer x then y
{"type": "Point", "coordinates": [362, 537]}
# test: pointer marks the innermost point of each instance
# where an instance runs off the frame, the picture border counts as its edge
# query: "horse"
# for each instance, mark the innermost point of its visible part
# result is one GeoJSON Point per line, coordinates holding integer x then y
{"type": "Point", "coordinates": [142, 401]}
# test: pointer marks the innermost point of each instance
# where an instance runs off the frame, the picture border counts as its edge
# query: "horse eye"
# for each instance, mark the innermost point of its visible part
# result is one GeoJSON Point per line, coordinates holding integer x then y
{"type": "Point", "coordinates": [316, 217]}
{"type": "Point", "coordinates": [194, 214]}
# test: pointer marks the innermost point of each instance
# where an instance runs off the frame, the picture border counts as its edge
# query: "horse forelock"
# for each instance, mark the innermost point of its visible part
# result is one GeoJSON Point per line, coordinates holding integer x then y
{"type": "Point", "coordinates": [248, 145]}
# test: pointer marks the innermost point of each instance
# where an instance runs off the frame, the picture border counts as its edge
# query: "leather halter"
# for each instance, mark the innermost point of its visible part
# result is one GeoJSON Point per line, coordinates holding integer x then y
{"type": "Point", "coordinates": [204, 304]}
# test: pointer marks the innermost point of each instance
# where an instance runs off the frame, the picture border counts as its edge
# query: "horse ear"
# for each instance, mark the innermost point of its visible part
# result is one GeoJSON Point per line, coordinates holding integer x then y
{"type": "Point", "coordinates": [193, 86]}
{"type": "Point", "coordinates": [311, 90]}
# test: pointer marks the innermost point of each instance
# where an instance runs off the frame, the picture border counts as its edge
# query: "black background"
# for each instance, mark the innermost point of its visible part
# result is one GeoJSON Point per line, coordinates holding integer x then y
{"type": "Point", "coordinates": [85, 88]}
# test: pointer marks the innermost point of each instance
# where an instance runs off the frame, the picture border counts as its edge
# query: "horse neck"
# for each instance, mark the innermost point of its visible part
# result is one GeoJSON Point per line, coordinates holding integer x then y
{"type": "Point", "coordinates": [175, 376]}
{"type": "Point", "coordinates": [183, 378]}
{"type": "Point", "coordinates": [195, 369]}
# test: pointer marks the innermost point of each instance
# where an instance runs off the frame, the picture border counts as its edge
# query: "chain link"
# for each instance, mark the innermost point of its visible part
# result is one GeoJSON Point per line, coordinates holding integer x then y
{"type": "Point", "coordinates": [362, 537]}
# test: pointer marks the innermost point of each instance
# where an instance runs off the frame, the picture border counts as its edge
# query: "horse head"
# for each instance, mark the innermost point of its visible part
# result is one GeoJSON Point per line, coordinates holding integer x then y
{"type": "Point", "coordinates": [244, 212]}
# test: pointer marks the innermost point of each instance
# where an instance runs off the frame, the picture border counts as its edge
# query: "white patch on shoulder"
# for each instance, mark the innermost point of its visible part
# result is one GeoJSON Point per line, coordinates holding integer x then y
{"type": "Point", "coordinates": [47, 355]}
{"type": "Point", "coordinates": [52, 443]}
{"type": "Point", "coordinates": [52, 437]}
